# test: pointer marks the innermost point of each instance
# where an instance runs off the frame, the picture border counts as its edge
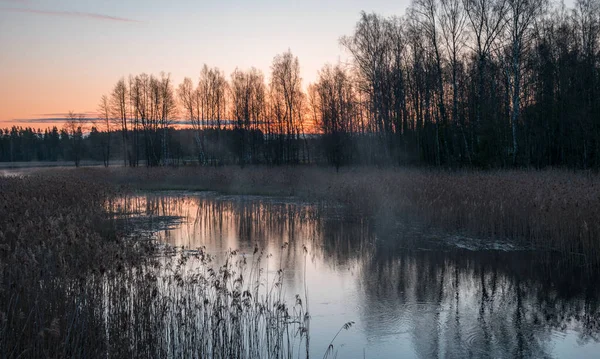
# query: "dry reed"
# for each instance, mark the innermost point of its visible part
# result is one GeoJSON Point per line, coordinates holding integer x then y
{"type": "Point", "coordinates": [551, 209]}
{"type": "Point", "coordinates": [72, 285]}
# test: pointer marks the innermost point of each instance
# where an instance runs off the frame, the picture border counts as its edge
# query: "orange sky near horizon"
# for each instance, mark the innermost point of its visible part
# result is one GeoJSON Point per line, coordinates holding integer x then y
{"type": "Point", "coordinates": [63, 56]}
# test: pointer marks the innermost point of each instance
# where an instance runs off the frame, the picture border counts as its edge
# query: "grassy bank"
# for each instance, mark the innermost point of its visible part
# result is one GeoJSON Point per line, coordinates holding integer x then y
{"type": "Point", "coordinates": [550, 209]}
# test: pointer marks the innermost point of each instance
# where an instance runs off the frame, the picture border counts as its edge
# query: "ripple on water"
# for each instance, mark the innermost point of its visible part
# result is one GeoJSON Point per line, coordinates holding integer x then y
{"type": "Point", "coordinates": [477, 340]}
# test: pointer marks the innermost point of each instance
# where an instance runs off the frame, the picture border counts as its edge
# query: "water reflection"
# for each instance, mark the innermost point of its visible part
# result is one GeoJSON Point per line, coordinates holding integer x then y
{"type": "Point", "coordinates": [410, 292]}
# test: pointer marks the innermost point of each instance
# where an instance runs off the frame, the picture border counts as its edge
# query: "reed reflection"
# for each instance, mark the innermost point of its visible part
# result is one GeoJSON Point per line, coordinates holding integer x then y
{"type": "Point", "coordinates": [408, 293]}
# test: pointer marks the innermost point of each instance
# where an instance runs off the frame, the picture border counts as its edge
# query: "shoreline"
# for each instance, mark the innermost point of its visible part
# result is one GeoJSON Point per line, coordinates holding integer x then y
{"type": "Point", "coordinates": [551, 209]}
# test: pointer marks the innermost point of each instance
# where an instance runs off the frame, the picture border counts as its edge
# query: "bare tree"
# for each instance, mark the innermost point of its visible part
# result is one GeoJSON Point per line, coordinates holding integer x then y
{"type": "Point", "coordinates": [257, 110]}
{"type": "Point", "coordinates": [418, 85]}
{"type": "Point", "coordinates": [286, 85]}
{"type": "Point", "coordinates": [487, 20]}
{"type": "Point", "coordinates": [168, 111]}
{"type": "Point", "coordinates": [74, 127]}
{"type": "Point", "coordinates": [369, 46]}
{"type": "Point", "coordinates": [134, 125]}
{"type": "Point", "coordinates": [333, 105]}
{"type": "Point", "coordinates": [453, 83]}
{"type": "Point", "coordinates": [155, 106]}
{"type": "Point", "coordinates": [522, 15]}
{"type": "Point", "coordinates": [241, 97]}
{"type": "Point", "coordinates": [396, 80]}
{"type": "Point", "coordinates": [453, 21]}
{"type": "Point", "coordinates": [212, 88]}
{"type": "Point", "coordinates": [586, 17]}
{"type": "Point", "coordinates": [145, 93]}
{"type": "Point", "coordinates": [105, 119]}
{"type": "Point", "coordinates": [427, 13]}
{"type": "Point", "coordinates": [120, 110]}
{"type": "Point", "coordinates": [189, 98]}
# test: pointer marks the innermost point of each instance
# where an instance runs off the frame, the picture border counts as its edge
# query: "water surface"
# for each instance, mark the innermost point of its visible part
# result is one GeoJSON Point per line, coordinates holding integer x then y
{"type": "Point", "coordinates": [412, 292]}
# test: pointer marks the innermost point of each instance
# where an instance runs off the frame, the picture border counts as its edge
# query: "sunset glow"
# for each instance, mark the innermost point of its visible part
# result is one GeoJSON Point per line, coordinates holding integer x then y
{"type": "Point", "coordinates": [62, 56]}
{"type": "Point", "coordinates": [299, 178]}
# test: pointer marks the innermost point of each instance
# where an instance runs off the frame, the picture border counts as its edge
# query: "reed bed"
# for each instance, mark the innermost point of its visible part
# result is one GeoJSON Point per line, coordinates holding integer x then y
{"type": "Point", "coordinates": [74, 285]}
{"type": "Point", "coordinates": [551, 209]}
{"type": "Point", "coordinates": [194, 308]}
{"type": "Point", "coordinates": [53, 234]}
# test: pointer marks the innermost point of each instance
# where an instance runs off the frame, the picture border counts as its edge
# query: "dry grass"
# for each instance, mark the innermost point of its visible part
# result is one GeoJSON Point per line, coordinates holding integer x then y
{"type": "Point", "coordinates": [54, 235]}
{"type": "Point", "coordinates": [71, 285]}
{"type": "Point", "coordinates": [551, 209]}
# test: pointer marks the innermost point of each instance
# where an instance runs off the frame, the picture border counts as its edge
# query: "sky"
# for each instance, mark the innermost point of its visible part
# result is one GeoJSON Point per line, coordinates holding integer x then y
{"type": "Point", "coordinates": [63, 55]}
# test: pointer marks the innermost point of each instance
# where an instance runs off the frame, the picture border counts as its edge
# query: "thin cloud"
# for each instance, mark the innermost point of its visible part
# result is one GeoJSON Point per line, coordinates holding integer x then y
{"type": "Point", "coordinates": [70, 14]}
{"type": "Point", "coordinates": [35, 120]}
{"type": "Point", "coordinates": [66, 114]}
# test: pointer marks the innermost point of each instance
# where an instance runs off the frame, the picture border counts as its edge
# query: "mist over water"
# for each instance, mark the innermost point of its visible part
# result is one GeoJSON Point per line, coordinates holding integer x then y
{"type": "Point", "coordinates": [412, 292]}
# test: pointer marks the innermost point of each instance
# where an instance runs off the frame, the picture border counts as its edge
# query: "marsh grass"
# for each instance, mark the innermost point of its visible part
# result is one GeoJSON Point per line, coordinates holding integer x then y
{"type": "Point", "coordinates": [53, 235]}
{"type": "Point", "coordinates": [192, 307]}
{"type": "Point", "coordinates": [75, 285]}
{"type": "Point", "coordinates": [552, 209]}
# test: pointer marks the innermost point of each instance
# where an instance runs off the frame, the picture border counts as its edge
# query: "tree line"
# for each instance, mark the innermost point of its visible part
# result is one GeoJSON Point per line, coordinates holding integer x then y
{"type": "Point", "coordinates": [25, 144]}
{"type": "Point", "coordinates": [453, 83]}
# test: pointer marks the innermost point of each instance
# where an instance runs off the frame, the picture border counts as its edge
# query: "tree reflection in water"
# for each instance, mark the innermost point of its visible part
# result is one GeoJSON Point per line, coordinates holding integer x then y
{"type": "Point", "coordinates": [410, 290]}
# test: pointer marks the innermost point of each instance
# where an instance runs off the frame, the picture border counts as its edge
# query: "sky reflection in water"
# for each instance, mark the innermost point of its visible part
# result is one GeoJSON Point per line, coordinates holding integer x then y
{"type": "Point", "coordinates": [410, 292]}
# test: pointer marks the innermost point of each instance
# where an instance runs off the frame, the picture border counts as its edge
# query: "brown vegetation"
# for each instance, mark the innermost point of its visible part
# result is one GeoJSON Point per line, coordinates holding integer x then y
{"type": "Point", "coordinates": [548, 209]}
{"type": "Point", "coordinates": [54, 234]}
{"type": "Point", "coordinates": [73, 285]}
